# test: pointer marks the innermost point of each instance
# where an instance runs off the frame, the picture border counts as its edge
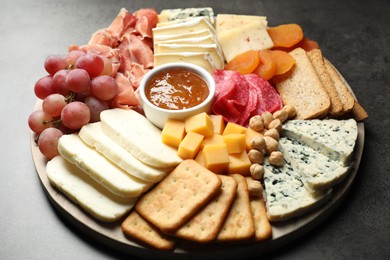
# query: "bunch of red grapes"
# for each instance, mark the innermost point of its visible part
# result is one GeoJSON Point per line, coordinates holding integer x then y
{"type": "Point", "coordinates": [77, 88]}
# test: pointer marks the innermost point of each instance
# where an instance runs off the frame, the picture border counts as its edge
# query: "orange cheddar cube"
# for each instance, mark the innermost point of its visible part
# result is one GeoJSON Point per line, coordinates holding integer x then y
{"type": "Point", "coordinates": [249, 135]}
{"type": "Point", "coordinates": [239, 163]}
{"type": "Point", "coordinates": [219, 124]}
{"type": "Point", "coordinates": [233, 128]}
{"type": "Point", "coordinates": [235, 143]}
{"type": "Point", "coordinates": [190, 145]}
{"type": "Point", "coordinates": [199, 158]}
{"type": "Point", "coordinates": [201, 124]}
{"type": "Point", "coordinates": [173, 132]}
{"type": "Point", "coordinates": [216, 158]}
{"type": "Point", "coordinates": [214, 139]}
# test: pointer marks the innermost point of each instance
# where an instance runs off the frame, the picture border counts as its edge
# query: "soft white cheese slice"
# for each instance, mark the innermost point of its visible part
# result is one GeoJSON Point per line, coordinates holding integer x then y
{"type": "Point", "coordinates": [86, 192]}
{"type": "Point", "coordinates": [333, 138]}
{"type": "Point", "coordinates": [138, 136]}
{"type": "Point", "coordinates": [318, 171]}
{"type": "Point", "coordinates": [253, 36]}
{"type": "Point", "coordinates": [92, 134]}
{"type": "Point", "coordinates": [188, 26]}
{"type": "Point", "coordinates": [181, 36]}
{"type": "Point", "coordinates": [202, 59]}
{"type": "Point", "coordinates": [98, 167]}
{"type": "Point", "coordinates": [207, 39]}
{"type": "Point", "coordinates": [212, 49]}
{"type": "Point", "coordinates": [285, 194]}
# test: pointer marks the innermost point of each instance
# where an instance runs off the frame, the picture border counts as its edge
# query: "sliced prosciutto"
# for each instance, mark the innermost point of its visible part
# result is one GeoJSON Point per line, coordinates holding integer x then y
{"type": "Point", "coordinates": [239, 97]}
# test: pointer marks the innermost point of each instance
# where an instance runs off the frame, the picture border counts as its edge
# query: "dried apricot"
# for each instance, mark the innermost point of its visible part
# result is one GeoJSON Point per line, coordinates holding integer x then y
{"type": "Point", "coordinates": [286, 35]}
{"type": "Point", "coordinates": [244, 63]}
{"type": "Point", "coordinates": [267, 67]}
{"type": "Point", "coordinates": [283, 61]}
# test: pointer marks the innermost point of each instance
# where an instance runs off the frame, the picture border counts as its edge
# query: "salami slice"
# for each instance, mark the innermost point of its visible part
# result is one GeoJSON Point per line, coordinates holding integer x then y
{"type": "Point", "coordinates": [239, 97]}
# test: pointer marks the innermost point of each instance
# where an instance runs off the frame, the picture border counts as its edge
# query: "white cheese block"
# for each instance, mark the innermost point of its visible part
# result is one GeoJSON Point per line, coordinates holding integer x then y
{"type": "Point", "coordinates": [181, 36]}
{"type": "Point", "coordinates": [208, 39]}
{"type": "Point", "coordinates": [226, 22]}
{"type": "Point", "coordinates": [98, 167]}
{"type": "Point", "coordinates": [138, 136]}
{"type": "Point", "coordinates": [253, 36]}
{"type": "Point", "coordinates": [168, 15]}
{"type": "Point", "coordinates": [318, 171]}
{"type": "Point", "coordinates": [84, 191]}
{"type": "Point", "coordinates": [212, 49]}
{"type": "Point", "coordinates": [201, 59]}
{"type": "Point", "coordinates": [286, 195]}
{"type": "Point", "coordinates": [92, 134]}
{"type": "Point", "coordinates": [333, 138]}
{"type": "Point", "coordinates": [188, 26]}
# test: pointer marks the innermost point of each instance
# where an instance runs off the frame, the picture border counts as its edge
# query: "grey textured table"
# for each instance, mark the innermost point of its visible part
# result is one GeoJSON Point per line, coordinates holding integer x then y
{"type": "Point", "coordinates": [354, 36]}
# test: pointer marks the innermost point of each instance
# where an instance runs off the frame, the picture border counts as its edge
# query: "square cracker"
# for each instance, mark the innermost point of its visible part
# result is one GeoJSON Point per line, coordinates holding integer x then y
{"type": "Point", "coordinates": [205, 225]}
{"type": "Point", "coordinates": [137, 227]}
{"type": "Point", "coordinates": [179, 196]}
{"type": "Point", "coordinates": [263, 229]}
{"type": "Point", "coordinates": [238, 224]}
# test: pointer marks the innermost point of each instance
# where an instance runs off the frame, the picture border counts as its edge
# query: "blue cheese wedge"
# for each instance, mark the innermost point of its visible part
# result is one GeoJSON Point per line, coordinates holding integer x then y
{"type": "Point", "coordinates": [86, 192]}
{"type": "Point", "coordinates": [318, 171]}
{"type": "Point", "coordinates": [139, 136]}
{"type": "Point", "coordinates": [333, 138]}
{"type": "Point", "coordinates": [286, 195]}
{"type": "Point", "coordinates": [99, 168]}
{"type": "Point", "coordinates": [92, 134]}
{"type": "Point", "coordinates": [168, 15]}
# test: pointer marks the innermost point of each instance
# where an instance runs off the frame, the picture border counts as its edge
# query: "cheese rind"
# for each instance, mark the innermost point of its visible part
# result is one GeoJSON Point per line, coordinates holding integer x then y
{"type": "Point", "coordinates": [92, 134]}
{"type": "Point", "coordinates": [182, 36]}
{"type": "Point", "coordinates": [286, 195]}
{"type": "Point", "coordinates": [333, 138]}
{"type": "Point", "coordinates": [188, 26]}
{"type": "Point", "coordinates": [84, 191]}
{"type": "Point", "coordinates": [202, 59]}
{"type": "Point", "coordinates": [318, 171]}
{"type": "Point", "coordinates": [138, 136]}
{"type": "Point", "coordinates": [178, 14]}
{"type": "Point", "coordinates": [98, 167]}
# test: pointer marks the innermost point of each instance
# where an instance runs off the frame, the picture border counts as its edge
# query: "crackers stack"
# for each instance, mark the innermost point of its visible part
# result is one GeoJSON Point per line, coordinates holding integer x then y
{"type": "Point", "coordinates": [316, 90]}
{"type": "Point", "coordinates": [195, 204]}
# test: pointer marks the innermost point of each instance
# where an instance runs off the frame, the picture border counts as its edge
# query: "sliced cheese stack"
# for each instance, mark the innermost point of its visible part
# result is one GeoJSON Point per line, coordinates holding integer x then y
{"type": "Point", "coordinates": [109, 164]}
{"type": "Point", "coordinates": [182, 35]}
{"type": "Point", "coordinates": [240, 33]}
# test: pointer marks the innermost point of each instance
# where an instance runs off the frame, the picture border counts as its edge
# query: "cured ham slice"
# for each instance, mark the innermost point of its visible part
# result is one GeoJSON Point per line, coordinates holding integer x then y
{"type": "Point", "coordinates": [141, 51]}
{"type": "Point", "coordinates": [147, 19]}
{"type": "Point", "coordinates": [126, 97]}
{"type": "Point", "coordinates": [239, 97]}
{"type": "Point", "coordinates": [103, 37]}
{"type": "Point", "coordinates": [122, 23]}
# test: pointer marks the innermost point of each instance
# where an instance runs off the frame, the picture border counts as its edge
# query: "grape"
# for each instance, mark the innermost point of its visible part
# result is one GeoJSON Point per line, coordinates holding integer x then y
{"type": "Point", "coordinates": [54, 63]}
{"type": "Point", "coordinates": [73, 56]}
{"type": "Point", "coordinates": [78, 81]}
{"type": "Point", "coordinates": [96, 106]}
{"type": "Point", "coordinates": [53, 104]}
{"type": "Point", "coordinates": [39, 121]}
{"type": "Point", "coordinates": [107, 70]}
{"type": "Point", "coordinates": [44, 87]}
{"type": "Point", "coordinates": [104, 87]}
{"type": "Point", "coordinates": [75, 115]}
{"type": "Point", "coordinates": [92, 63]}
{"type": "Point", "coordinates": [59, 82]}
{"type": "Point", "coordinates": [48, 142]}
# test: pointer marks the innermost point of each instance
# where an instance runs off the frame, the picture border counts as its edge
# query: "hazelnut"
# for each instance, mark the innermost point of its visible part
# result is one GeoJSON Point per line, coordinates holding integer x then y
{"type": "Point", "coordinates": [258, 143]}
{"type": "Point", "coordinates": [256, 156]}
{"type": "Point", "coordinates": [257, 171]}
{"type": "Point", "coordinates": [276, 158]}
{"type": "Point", "coordinates": [256, 123]}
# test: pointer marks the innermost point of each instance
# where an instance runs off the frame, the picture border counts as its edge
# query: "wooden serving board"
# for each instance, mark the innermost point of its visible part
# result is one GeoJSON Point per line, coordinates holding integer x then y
{"type": "Point", "coordinates": [111, 234]}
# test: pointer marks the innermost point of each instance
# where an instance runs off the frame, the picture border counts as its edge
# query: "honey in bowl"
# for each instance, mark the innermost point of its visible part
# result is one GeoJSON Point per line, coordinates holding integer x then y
{"type": "Point", "coordinates": [176, 88]}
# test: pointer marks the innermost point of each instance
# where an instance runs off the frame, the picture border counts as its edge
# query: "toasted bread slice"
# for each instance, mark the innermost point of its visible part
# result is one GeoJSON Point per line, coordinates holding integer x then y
{"type": "Point", "coordinates": [358, 112]}
{"type": "Point", "coordinates": [302, 88]}
{"type": "Point", "coordinates": [344, 94]}
{"type": "Point", "coordinates": [316, 58]}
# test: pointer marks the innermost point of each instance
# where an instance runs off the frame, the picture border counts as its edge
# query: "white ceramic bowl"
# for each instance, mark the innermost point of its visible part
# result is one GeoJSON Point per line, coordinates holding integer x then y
{"type": "Point", "coordinates": [158, 116]}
